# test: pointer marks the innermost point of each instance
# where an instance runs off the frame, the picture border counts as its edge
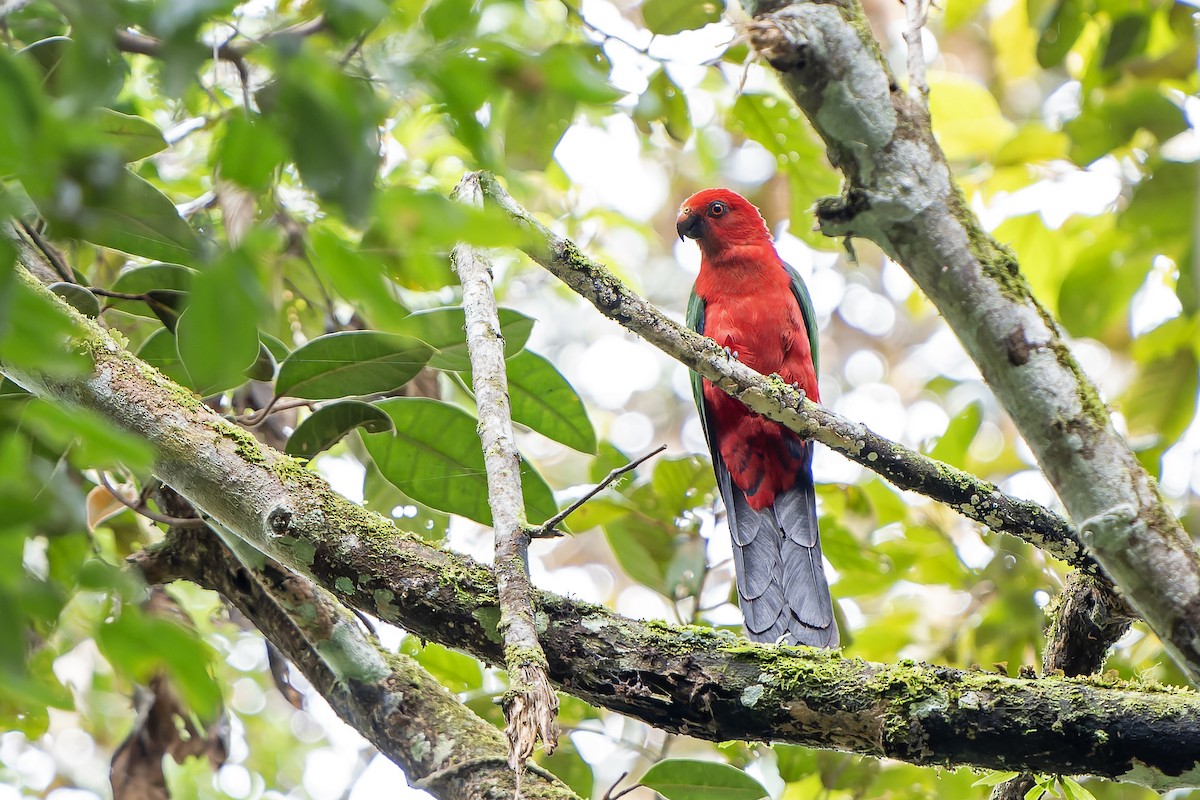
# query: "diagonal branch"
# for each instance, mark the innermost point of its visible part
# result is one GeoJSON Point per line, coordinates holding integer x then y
{"type": "Point", "coordinates": [900, 194]}
{"type": "Point", "coordinates": [708, 684]}
{"type": "Point", "coordinates": [440, 744]}
{"type": "Point", "coordinates": [530, 705]}
{"type": "Point", "coordinates": [972, 497]}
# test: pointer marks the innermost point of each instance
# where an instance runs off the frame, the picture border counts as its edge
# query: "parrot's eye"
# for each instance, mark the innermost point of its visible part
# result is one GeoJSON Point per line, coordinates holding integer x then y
{"type": "Point", "coordinates": [717, 209]}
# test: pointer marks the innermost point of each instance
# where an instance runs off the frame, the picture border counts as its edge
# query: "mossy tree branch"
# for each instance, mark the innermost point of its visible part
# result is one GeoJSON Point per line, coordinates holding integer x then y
{"type": "Point", "coordinates": [441, 745]}
{"type": "Point", "coordinates": [900, 194]}
{"type": "Point", "coordinates": [708, 684]}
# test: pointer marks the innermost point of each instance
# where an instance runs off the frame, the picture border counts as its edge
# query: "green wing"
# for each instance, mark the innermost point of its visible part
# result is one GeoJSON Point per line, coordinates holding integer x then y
{"type": "Point", "coordinates": [695, 321]}
{"type": "Point", "coordinates": [800, 291]}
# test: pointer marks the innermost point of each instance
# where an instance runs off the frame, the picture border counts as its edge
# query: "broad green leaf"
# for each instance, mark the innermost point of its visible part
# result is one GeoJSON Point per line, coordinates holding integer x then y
{"type": "Point", "coordinates": [952, 446]}
{"type": "Point", "coordinates": [673, 16]}
{"type": "Point", "coordinates": [78, 296]}
{"type": "Point", "coordinates": [134, 217]}
{"type": "Point", "coordinates": [664, 102]}
{"type": "Point", "coordinates": [456, 671]}
{"type": "Point", "coordinates": [94, 442]}
{"type": "Point", "coordinates": [23, 111]}
{"type": "Point", "coordinates": [33, 329]}
{"type": "Point", "coordinates": [445, 19]}
{"type": "Point", "coordinates": [685, 779]}
{"type": "Point", "coordinates": [579, 71]}
{"type": "Point", "coordinates": [330, 120]}
{"type": "Point", "coordinates": [140, 646]}
{"type": "Point", "coordinates": [542, 399]}
{"type": "Point", "coordinates": [327, 426]}
{"type": "Point", "coordinates": [681, 484]}
{"type": "Point", "coordinates": [135, 138]}
{"type": "Point", "coordinates": [994, 776]}
{"type": "Point", "coordinates": [165, 286]}
{"type": "Point", "coordinates": [779, 127]}
{"type": "Point", "coordinates": [360, 277]}
{"type": "Point", "coordinates": [351, 363]}
{"type": "Point", "coordinates": [966, 118]}
{"type": "Point", "coordinates": [435, 457]}
{"type": "Point", "coordinates": [217, 336]}
{"type": "Point", "coordinates": [444, 330]}
{"type": "Point", "coordinates": [644, 547]}
{"type": "Point", "coordinates": [1161, 401]}
{"type": "Point", "coordinates": [1061, 31]}
{"type": "Point", "coordinates": [249, 152]}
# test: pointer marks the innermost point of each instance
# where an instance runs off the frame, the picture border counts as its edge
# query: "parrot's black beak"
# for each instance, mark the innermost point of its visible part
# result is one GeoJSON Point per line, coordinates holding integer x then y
{"type": "Point", "coordinates": [688, 225]}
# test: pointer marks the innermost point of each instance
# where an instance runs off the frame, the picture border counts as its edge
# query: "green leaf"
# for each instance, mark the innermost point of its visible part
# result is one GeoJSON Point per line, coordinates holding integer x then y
{"type": "Point", "coordinates": [166, 285]}
{"type": "Point", "coordinates": [456, 671]}
{"type": "Point", "coordinates": [686, 779]}
{"type": "Point", "coordinates": [673, 16]}
{"type": "Point", "coordinates": [1073, 790]}
{"type": "Point", "coordinates": [435, 457]}
{"type": "Point", "coordinates": [1061, 31]}
{"type": "Point", "coordinates": [351, 363]}
{"type": "Point", "coordinates": [779, 127]}
{"type": "Point", "coordinates": [79, 297]}
{"type": "Point", "coordinates": [1161, 401]}
{"type": "Point", "coordinates": [664, 102]}
{"type": "Point", "coordinates": [953, 444]}
{"type": "Point", "coordinates": [994, 776]}
{"type": "Point", "coordinates": [331, 123]}
{"type": "Point", "coordinates": [444, 330]}
{"type": "Point", "coordinates": [217, 336]}
{"type": "Point", "coordinates": [135, 138]}
{"type": "Point", "coordinates": [250, 152]}
{"type": "Point", "coordinates": [966, 118]}
{"type": "Point", "coordinates": [643, 547]}
{"type": "Point", "coordinates": [327, 426]}
{"type": "Point", "coordinates": [94, 442]}
{"type": "Point", "coordinates": [445, 19]}
{"type": "Point", "coordinates": [542, 399]}
{"type": "Point", "coordinates": [131, 216]}
{"type": "Point", "coordinates": [140, 646]}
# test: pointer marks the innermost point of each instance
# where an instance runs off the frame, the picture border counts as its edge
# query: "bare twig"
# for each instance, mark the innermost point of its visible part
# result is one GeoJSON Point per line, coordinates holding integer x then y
{"type": "Point", "coordinates": [916, 13]}
{"type": "Point", "coordinates": [530, 705]}
{"type": "Point", "coordinates": [52, 255]}
{"type": "Point", "coordinates": [141, 508]}
{"type": "Point", "coordinates": [547, 529]}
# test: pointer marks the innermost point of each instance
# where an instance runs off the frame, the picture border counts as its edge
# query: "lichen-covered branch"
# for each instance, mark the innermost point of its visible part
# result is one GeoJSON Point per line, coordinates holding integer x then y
{"type": "Point", "coordinates": [899, 193]}
{"type": "Point", "coordinates": [972, 497]}
{"type": "Point", "coordinates": [705, 683]}
{"type": "Point", "coordinates": [441, 745]}
{"type": "Point", "coordinates": [530, 705]}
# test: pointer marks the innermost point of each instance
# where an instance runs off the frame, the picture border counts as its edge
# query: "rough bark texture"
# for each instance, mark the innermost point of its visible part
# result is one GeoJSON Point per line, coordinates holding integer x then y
{"type": "Point", "coordinates": [899, 193]}
{"type": "Point", "coordinates": [400, 708]}
{"type": "Point", "coordinates": [708, 684]}
{"type": "Point", "coordinates": [972, 497]}
{"type": "Point", "coordinates": [530, 705]}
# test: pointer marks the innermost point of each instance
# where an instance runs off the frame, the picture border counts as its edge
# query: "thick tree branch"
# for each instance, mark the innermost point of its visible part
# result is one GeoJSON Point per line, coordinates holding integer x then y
{"type": "Point", "coordinates": [708, 684]}
{"type": "Point", "coordinates": [972, 497]}
{"type": "Point", "coordinates": [530, 705]}
{"type": "Point", "coordinates": [441, 745]}
{"type": "Point", "coordinates": [900, 194]}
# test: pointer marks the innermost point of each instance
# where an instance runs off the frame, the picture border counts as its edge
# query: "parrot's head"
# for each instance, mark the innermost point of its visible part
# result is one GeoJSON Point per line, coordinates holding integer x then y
{"type": "Point", "coordinates": [719, 218]}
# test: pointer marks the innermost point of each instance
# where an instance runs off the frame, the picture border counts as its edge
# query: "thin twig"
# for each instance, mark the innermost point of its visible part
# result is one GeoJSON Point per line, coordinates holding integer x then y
{"type": "Point", "coordinates": [547, 529]}
{"type": "Point", "coordinates": [48, 250]}
{"type": "Point", "coordinates": [609, 794]}
{"type": "Point", "coordinates": [916, 12]}
{"type": "Point", "coordinates": [140, 508]}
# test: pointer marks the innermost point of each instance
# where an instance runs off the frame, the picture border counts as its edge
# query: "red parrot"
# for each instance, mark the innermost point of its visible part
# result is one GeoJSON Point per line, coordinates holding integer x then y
{"type": "Point", "coordinates": [756, 307]}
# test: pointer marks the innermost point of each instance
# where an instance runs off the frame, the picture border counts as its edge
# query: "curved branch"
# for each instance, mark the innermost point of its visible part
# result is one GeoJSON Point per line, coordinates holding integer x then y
{"type": "Point", "coordinates": [701, 682]}
{"type": "Point", "coordinates": [972, 497]}
{"type": "Point", "coordinates": [901, 195]}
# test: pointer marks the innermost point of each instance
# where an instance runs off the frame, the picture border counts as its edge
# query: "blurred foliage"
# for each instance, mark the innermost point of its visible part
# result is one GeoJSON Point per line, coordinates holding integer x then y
{"type": "Point", "coordinates": [256, 197]}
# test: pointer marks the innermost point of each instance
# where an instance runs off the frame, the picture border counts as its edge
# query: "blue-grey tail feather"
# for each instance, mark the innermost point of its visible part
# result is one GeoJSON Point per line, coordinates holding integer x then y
{"type": "Point", "coordinates": [782, 588]}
